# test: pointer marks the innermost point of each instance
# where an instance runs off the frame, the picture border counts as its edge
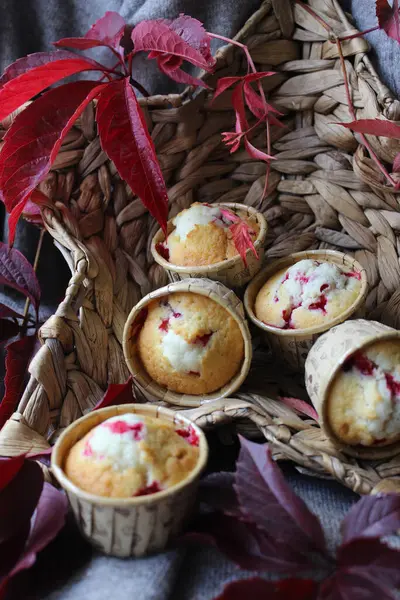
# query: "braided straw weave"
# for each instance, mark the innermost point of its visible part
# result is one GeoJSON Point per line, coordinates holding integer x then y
{"type": "Point", "coordinates": [324, 192]}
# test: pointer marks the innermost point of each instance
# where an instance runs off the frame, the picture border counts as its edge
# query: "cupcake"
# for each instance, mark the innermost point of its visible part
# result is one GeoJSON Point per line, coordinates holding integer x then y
{"type": "Point", "coordinates": [363, 405]}
{"type": "Point", "coordinates": [298, 297]}
{"type": "Point", "coordinates": [202, 235]}
{"type": "Point", "coordinates": [204, 241]}
{"type": "Point", "coordinates": [190, 344]}
{"type": "Point", "coordinates": [308, 294]}
{"type": "Point", "coordinates": [132, 455]}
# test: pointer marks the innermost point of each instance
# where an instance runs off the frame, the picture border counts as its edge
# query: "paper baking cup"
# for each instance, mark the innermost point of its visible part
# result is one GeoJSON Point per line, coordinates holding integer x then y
{"type": "Point", "coordinates": [325, 360]}
{"type": "Point", "coordinates": [232, 272]}
{"type": "Point", "coordinates": [129, 526]}
{"type": "Point", "coordinates": [293, 345]}
{"type": "Point", "coordinates": [204, 287]}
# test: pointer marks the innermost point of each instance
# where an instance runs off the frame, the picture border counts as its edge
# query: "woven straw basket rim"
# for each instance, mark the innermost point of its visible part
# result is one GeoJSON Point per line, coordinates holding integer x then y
{"type": "Point", "coordinates": [323, 193]}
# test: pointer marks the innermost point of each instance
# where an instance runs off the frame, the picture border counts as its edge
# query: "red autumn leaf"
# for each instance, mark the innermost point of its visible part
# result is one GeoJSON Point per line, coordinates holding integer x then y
{"type": "Point", "coordinates": [366, 569]}
{"type": "Point", "coordinates": [32, 142]}
{"type": "Point", "coordinates": [372, 517]}
{"type": "Point", "coordinates": [9, 467]}
{"type": "Point", "coordinates": [125, 139]}
{"type": "Point", "coordinates": [48, 520]}
{"type": "Point", "coordinates": [242, 240]}
{"type": "Point", "coordinates": [18, 357]}
{"type": "Point", "coordinates": [256, 153]}
{"type": "Point", "coordinates": [117, 393]}
{"type": "Point", "coordinates": [259, 107]}
{"type": "Point", "coordinates": [378, 127]}
{"type": "Point", "coordinates": [238, 105]}
{"type": "Point", "coordinates": [256, 588]}
{"type": "Point", "coordinates": [17, 272]}
{"type": "Point", "coordinates": [107, 31]}
{"type": "Point", "coordinates": [7, 312]}
{"type": "Point", "coordinates": [24, 86]}
{"type": "Point", "coordinates": [260, 483]}
{"type": "Point", "coordinates": [389, 18]}
{"type": "Point", "coordinates": [8, 329]}
{"type": "Point", "coordinates": [170, 66]}
{"type": "Point", "coordinates": [184, 37]}
{"type": "Point", "coordinates": [300, 406]}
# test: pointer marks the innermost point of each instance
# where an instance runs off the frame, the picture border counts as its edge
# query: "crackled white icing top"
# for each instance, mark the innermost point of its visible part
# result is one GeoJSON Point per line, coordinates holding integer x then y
{"type": "Point", "coordinates": [183, 357]}
{"type": "Point", "coordinates": [197, 214]}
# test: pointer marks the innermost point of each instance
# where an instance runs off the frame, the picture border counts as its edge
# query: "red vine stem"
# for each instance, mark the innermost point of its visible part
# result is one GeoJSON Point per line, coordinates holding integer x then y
{"type": "Point", "coordinates": [353, 36]}
{"type": "Point", "coordinates": [336, 39]}
{"type": "Point", "coordinates": [262, 94]}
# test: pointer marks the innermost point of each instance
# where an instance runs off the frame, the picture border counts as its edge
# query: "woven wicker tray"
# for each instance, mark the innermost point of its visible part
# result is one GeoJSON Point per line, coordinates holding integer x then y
{"type": "Point", "coordinates": [324, 192]}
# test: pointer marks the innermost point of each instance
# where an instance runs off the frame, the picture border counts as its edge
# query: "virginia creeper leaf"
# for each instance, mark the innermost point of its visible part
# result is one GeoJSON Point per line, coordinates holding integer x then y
{"type": "Point", "coordinates": [223, 84]}
{"type": "Point", "coordinates": [33, 140]}
{"type": "Point", "coordinates": [8, 329]}
{"type": "Point", "coordinates": [47, 521]}
{"type": "Point", "coordinates": [125, 139]}
{"type": "Point", "coordinates": [216, 491]}
{"type": "Point", "coordinates": [372, 516]}
{"type": "Point", "coordinates": [379, 127]}
{"type": "Point", "coordinates": [106, 31]}
{"type": "Point", "coordinates": [117, 393]}
{"type": "Point", "coordinates": [242, 240]}
{"type": "Point", "coordinates": [349, 586]}
{"type": "Point", "coordinates": [9, 467]}
{"type": "Point", "coordinates": [256, 588]}
{"type": "Point", "coordinates": [389, 18]}
{"type": "Point", "coordinates": [170, 66]}
{"type": "Point", "coordinates": [23, 87]}
{"type": "Point", "coordinates": [7, 312]}
{"type": "Point", "coordinates": [18, 357]}
{"type": "Point", "coordinates": [371, 558]}
{"type": "Point", "coordinates": [238, 105]}
{"type": "Point", "coordinates": [300, 406]}
{"type": "Point", "coordinates": [184, 37]}
{"type": "Point", "coordinates": [19, 498]}
{"type": "Point", "coordinates": [256, 153]}
{"type": "Point", "coordinates": [260, 484]}
{"type": "Point", "coordinates": [17, 272]}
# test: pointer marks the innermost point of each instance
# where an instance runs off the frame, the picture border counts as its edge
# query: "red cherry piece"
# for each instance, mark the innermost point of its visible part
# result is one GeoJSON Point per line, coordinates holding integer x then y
{"type": "Point", "coordinates": [189, 435]}
{"type": "Point", "coordinates": [319, 304]}
{"type": "Point", "coordinates": [354, 274]}
{"type": "Point", "coordinates": [87, 450]}
{"type": "Point", "coordinates": [203, 339]}
{"type": "Point", "coordinates": [119, 427]}
{"type": "Point", "coordinates": [323, 287]}
{"type": "Point", "coordinates": [393, 385]}
{"type": "Point", "coordinates": [176, 315]}
{"type": "Point", "coordinates": [162, 250]}
{"type": "Point", "coordinates": [164, 325]}
{"type": "Point", "coordinates": [153, 488]}
{"type": "Point", "coordinates": [361, 362]}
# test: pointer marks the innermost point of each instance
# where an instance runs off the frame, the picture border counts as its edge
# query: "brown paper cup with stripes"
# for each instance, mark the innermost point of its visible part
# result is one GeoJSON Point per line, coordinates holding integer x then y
{"type": "Point", "coordinates": [129, 526]}
{"type": "Point", "coordinates": [205, 287]}
{"type": "Point", "coordinates": [293, 345]}
{"type": "Point", "coordinates": [325, 361]}
{"type": "Point", "coordinates": [231, 272]}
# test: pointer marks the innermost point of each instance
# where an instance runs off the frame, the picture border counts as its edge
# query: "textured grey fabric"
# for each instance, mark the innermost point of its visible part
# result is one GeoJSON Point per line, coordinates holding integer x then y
{"type": "Point", "coordinates": [69, 569]}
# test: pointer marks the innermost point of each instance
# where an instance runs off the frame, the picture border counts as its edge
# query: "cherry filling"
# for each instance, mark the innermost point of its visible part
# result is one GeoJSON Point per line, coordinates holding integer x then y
{"type": "Point", "coordinates": [203, 339]}
{"type": "Point", "coordinates": [319, 304]}
{"type": "Point", "coordinates": [153, 488]}
{"type": "Point", "coordinates": [119, 427]}
{"type": "Point", "coordinates": [164, 325]}
{"type": "Point", "coordinates": [162, 250]}
{"type": "Point", "coordinates": [354, 274]}
{"type": "Point", "coordinates": [393, 385]}
{"type": "Point", "coordinates": [366, 366]}
{"type": "Point", "coordinates": [87, 450]}
{"type": "Point", "coordinates": [189, 435]}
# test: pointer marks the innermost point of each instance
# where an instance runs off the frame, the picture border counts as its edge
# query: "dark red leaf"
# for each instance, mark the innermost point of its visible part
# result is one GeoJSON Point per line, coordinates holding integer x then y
{"type": "Point", "coordinates": [48, 520]}
{"type": "Point", "coordinates": [125, 139]}
{"type": "Point", "coordinates": [19, 498]}
{"type": "Point", "coordinates": [352, 586]}
{"type": "Point", "coordinates": [389, 18]}
{"type": "Point", "coordinates": [14, 218]}
{"type": "Point", "coordinates": [369, 557]}
{"type": "Point", "coordinates": [172, 70]}
{"type": "Point", "coordinates": [244, 545]}
{"type": "Point", "coordinates": [184, 37]}
{"type": "Point", "coordinates": [224, 83]}
{"type": "Point", "coordinates": [256, 588]}
{"type": "Point", "coordinates": [23, 87]}
{"type": "Point", "coordinates": [17, 272]}
{"type": "Point", "coordinates": [7, 312]}
{"type": "Point", "coordinates": [8, 329]}
{"type": "Point", "coordinates": [31, 61]}
{"type": "Point", "coordinates": [379, 127]}
{"type": "Point", "coordinates": [238, 104]}
{"type": "Point", "coordinates": [255, 153]}
{"type": "Point", "coordinates": [107, 31]}
{"type": "Point", "coordinates": [260, 484]}
{"type": "Point", "coordinates": [372, 516]}
{"type": "Point", "coordinates": [300, 406]}
{"type": "Point", "coordinates": [18, 357]}
{"type": "Point", "coordinates": [9, 467]}
{"type": "Point", "coordinates": [216, 491]}
{"type": "Point", "coordinates": [242, 240]}
{"type": "Point", "coordinates": [32, 142]}
{"type": "Point", "coordinates": [117, 393]}
{"type": "Point", "coordinates": [32, 208]}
